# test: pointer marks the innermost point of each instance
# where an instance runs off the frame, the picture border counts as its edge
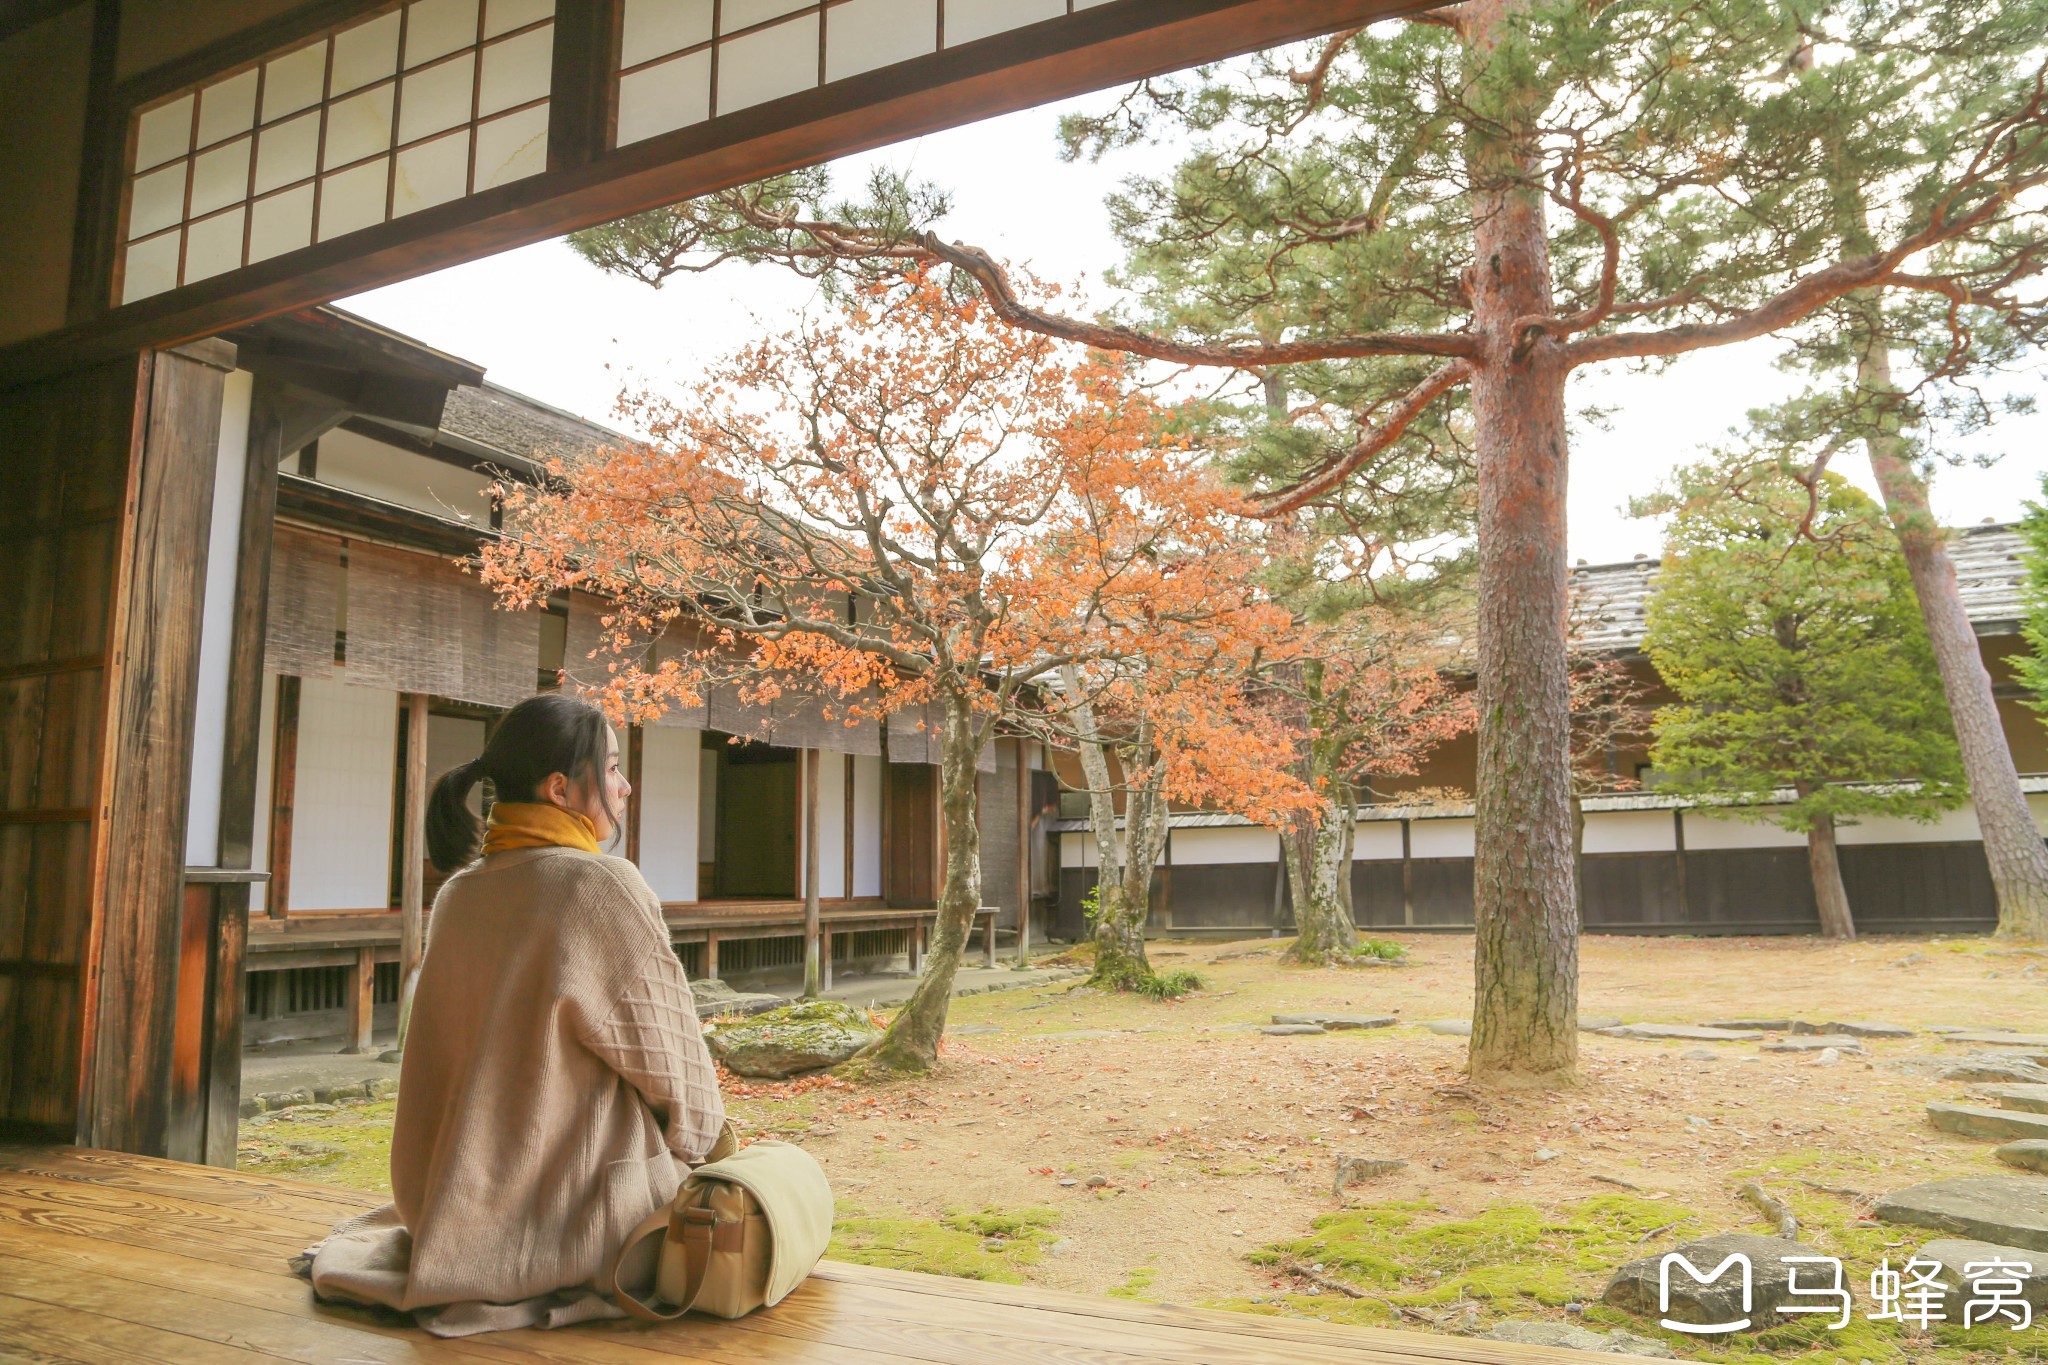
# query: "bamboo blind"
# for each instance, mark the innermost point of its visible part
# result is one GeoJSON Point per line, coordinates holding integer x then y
{"type": "Point", "coordinates": [417, 623]}
{"type": "Point", "coordinates": [304, 605]}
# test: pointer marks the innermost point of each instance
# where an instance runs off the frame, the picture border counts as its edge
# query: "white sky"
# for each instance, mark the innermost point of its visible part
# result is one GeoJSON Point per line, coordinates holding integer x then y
{"type": "Point", "coordinates": [543, 322]}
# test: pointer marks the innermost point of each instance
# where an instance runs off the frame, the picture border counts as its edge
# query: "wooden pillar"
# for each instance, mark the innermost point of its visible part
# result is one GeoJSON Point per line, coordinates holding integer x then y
{"type": "Point", "coordinates": [284, 777]}
{"type": "Point", "coordinates": [413, 846]}
{"type": "Point", "coordinates": [711, 957]}
{"type": "Point", "coordinates": [634, 736]}
{"type": "Point", "coordinates": [1023, 851]}
{"type": "Point", "coordinates": [362, 1000]}
{"type": "Point", "coordinates": [1678, 863]}
{"type": "Point", "coordinates": [846, 886]}
{"type": "Point", "coordinates": [808, 777]}
{"type": "Point", "coordinates": [888, 864]}
{"type": "Point", "coordinates": [1407, 873]}
{"type": "Point", "coordinates": [917, 949]}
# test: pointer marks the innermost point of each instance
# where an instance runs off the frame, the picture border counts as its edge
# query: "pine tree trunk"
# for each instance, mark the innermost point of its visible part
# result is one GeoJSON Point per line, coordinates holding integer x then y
{"type": "Point", "coordinates": [2012, 843]}
{"type": "Point", "coordinates": [1828, 892]}
{"type": "Point", "coordinates": [1323, 924]}
{"type": "Point", "coordinates": [1525, 900]}
{"type": "Point", "coordinates": [911, 1042]}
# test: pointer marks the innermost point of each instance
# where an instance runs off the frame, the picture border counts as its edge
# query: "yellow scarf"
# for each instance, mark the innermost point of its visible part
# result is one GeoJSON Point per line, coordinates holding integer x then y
{"type": "Point", "coordinates": [538, 824]}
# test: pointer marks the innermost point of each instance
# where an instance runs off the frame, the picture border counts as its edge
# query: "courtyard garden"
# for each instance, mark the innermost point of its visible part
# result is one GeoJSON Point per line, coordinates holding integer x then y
{"type": "Point", "coordinates": [1106, 1143]}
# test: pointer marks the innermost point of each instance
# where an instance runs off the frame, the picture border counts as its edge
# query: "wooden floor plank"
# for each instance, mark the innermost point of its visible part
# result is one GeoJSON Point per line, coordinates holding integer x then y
{"type": "Point", "coordinates": [85, 1336]}
{"type": "Point", "coordinates": [105, 1257]}
{"type": "Point", "coordinates": [215, 1185]}
{"type": "Point", "coordinates": [700, 1339]}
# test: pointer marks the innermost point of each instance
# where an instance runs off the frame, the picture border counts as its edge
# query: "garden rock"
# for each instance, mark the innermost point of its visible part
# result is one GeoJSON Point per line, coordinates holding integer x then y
{"type": "Point", "coordinates": [1860, 1029]}
{"type": "Point", "coordinates": [1593, 1023]}
{"type": "Point", "coordinates": [1616, 1343]}
{"type": "Point", "coordinates": [1290, 1030]}
{"type": "Point", "coordinates": [1684, 1033]}
{"type": "Point", "coordinates": [2000, 1038]}
{"type": "Point", "coordinates": [1956, 1255]}
{"type": "Point", "coordinates": [1970, 1120]}
{"type": "Point", "coordinates": [1635, 1286]}
{"type": "Point", "coordinates": [715, 997]}
{"type": "Point", "coordinates": [792, 1040]}
{"type": "Point", "coordinates": [1450, 1028]}
{"type": "Point", "coordinates": [1767, 1025]}
{"type": "Point", "coordinates": [1337, 1021]}
{"type": "Point", "coordinates": [2029, 1154]}
{"type": "Point", "coordinates": [2031, 1098]}
{"type": "Point", "coordinates": [1994, 1066]}
{"type": "Point", "coordinates": [1814, 1042]}
{"type": "Point", "coordinates": [2009, 1210]}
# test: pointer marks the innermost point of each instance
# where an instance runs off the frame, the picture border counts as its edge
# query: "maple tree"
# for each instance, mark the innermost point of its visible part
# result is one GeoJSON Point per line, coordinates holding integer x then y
{"type": "Point", "coordinates": [900, 504]}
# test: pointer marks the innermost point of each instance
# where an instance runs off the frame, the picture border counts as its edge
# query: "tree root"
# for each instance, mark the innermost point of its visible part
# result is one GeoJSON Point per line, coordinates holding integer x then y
{"type": "Point", "coordinates": [1771, 1208]}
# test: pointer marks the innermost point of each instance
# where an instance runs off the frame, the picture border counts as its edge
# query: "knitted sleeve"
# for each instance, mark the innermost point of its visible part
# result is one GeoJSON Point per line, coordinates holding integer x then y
{"type": "Point", "coordinates": [651, 1038]}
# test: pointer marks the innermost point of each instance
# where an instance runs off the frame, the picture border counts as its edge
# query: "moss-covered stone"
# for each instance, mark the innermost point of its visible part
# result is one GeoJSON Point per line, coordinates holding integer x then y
{"type": "Point", "coordinates": [797, 1038]}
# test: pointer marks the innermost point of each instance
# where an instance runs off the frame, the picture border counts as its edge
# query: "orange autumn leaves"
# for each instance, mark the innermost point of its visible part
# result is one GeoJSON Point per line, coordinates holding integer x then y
{"type": "Point", "coordinates": [902, 502]}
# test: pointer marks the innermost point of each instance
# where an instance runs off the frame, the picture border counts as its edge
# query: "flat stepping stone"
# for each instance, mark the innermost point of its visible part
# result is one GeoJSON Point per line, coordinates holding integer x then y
{"type": "Point", "coordinates": [1860, 1028]}
{"type": "Point", "coordinates": [1956, 1255]}
{"type": "Point", "coordinates": [2000, 1038]}
{"type": "Point", "coordinates": [2029, 1154]}
{"type": "Point", "coordinates": [1767, 1025]}
{"type": "Point", "coordinates": [1992, 1066]}
{"type": "Point", "coordinates": [1450, 1028]}
{"type": "Point", "coordinates": [1814, 1042]}
{"type": "Point", "coordinates": [1683, 1033]}
{"type": "Point", "coordinates": [1593, 1023]}
{"type": "Point", "coordinates": [971, 1030]}
{"type": "Point", "coordinates": [1337, 1021]}
{"type": "Point", "coordinates": [1971, 1120]}
{"type": "Point", "coordinates": [2007, 1210]}
{"type": "Point", "coordinates": [2031, 1098]}
{"type": "Point", "coordinates": [1291, 1030]}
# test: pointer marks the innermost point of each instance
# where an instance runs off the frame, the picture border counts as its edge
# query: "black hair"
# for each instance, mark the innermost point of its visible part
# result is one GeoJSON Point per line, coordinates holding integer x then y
{"type": "Point", "coordinates": [543, 735]}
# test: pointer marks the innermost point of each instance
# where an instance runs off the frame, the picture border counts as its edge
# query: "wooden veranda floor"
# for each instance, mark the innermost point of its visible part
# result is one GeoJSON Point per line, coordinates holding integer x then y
{"type": "Point", "coordinates": [106, 1257]}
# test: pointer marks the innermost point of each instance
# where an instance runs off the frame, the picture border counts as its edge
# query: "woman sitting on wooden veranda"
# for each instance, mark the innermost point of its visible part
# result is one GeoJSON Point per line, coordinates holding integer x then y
{"type": "Point", "coordinates": [555, 1088]}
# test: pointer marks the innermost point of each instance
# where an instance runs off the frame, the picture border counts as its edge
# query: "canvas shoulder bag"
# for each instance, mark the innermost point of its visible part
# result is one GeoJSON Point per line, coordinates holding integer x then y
{"type": "Point", "coordinates": [741, 1234]}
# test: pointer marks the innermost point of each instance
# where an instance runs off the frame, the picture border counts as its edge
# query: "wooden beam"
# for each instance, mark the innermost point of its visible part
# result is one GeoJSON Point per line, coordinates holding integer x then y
{"type": "Point", "coordinates": [1095, 48]}
{"type": "Point", "coordinates": [1408, 873]}
{"type": "Point", "coordinates": [413, 844]}
{"type": "Point", "coordinates": [284, 781]}
{"type": "Point", "coordinates": [250, 616]}
{"type": "Point", "coordinates": [362, 1000]}
{"type": "Point", "coordinates": [138, 920]}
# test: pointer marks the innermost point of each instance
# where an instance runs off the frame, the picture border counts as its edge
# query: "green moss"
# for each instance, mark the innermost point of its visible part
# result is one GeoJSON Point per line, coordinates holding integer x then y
{"type": "Point", "coordinates": [1132, 977]}
{"type": "Point", "coordinates": [1136, 1283]}
{"type": "Point", "coordinates": [1383, 949]}
{"type": "Point", "coordinates": [991, 1244]}
{"type": "Point", "coordinates": [350, 1146]}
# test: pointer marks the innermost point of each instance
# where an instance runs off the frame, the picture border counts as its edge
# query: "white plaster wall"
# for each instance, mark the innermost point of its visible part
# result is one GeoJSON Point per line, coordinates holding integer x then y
{"type": "Point", "coordinates": [1441, 838]}
{"type": "Point", "coordinates": [867, 826]}
{"type": "Point", "coordinates": [1630, 831]}
{"type": "Point", "coordinates": [1952, 827]}
{"type": "Point", "coordinates": [217, 625]}
{"type": "Point", "coordinates": [1377, 841]}
{"type": "Point", "coordinates": [670, 816]}
{"type": "Point", "coordinates": [1230, 844]}
{"type": "Point", "coordinates": [831, 824]}
{"type": "Point", "coordinates": [341, 809]}
{"type": "Point", "coordinates": [370, 467]}
{"type": "Point", "coordinates": [1706, 832]}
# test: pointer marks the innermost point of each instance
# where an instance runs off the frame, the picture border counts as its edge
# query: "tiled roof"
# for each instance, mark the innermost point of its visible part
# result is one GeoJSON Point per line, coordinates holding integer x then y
{"type": "Point", "coordinates": [502, 420]}
{"type": "Point", "coordinates": [1608, 599]}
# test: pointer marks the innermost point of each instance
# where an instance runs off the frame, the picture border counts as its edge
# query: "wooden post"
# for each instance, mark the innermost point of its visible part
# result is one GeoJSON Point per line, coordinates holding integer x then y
{"type": "Point", "coordinates": [413, 847]}
{"type": "Point", "coordinates": [284, 778]}
{"type": "Point", "coordinates": [916, 949]}
{"type": "Point", "coordinates": [1678, 862]}
{"type": "Point", "coordinates": [846, 887]}
{"type": "Point", "coordinates": [1407, 873]}
{"type": "Point", "coordinates": [362, 1000]}
{"type": "Point", "coordinates": [711, 957]}
{"type": "Point", "coordinates": [634, 736]}
{"type": "Point", "coordinates": [1023, 852]}
{"type": "Point", "coordinates": [825, 962]}
{"type": "Point", "coordinates": [808, 776]}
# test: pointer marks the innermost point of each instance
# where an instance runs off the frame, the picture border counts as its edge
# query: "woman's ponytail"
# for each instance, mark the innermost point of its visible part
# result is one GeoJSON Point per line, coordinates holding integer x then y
{"type": "Point", "coordinates": [453, 831]}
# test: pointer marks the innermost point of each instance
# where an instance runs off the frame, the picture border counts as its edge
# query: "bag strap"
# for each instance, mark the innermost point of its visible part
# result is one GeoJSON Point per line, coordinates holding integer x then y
{"type": "Point", "coordinates": [698, 1227]}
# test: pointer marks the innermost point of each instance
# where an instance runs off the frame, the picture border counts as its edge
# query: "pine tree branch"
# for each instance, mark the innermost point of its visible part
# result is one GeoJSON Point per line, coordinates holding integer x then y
{"type": "Point", "coordinates": [995, 285]}
{"type": "Point", "coordinates": [1389, 430]}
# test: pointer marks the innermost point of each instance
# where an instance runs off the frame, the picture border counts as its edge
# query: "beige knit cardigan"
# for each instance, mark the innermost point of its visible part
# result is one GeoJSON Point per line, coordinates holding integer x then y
{"type": "Point", "coordinates": [554, 1078]}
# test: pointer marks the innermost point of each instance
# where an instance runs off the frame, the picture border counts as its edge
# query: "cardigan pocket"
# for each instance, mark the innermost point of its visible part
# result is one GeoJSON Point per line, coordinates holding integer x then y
{"type": "Point", "coordinates": [634, 1188]}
